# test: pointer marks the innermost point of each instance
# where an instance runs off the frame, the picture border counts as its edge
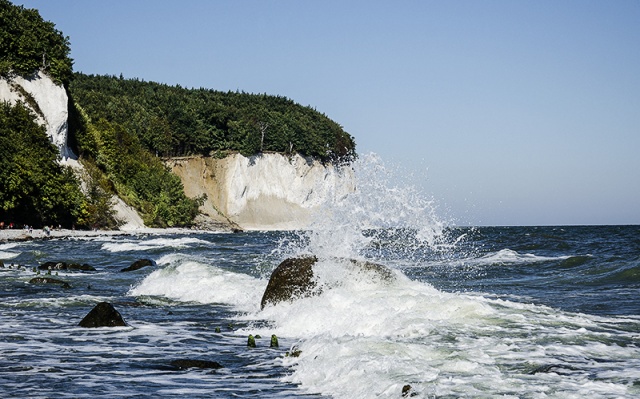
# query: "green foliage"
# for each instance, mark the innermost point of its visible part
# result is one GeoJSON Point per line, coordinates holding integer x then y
{"type": "Point", "coordinates": [98, 212]}
{"type": "Point", "coordinates": [34, 188]}
{"type": "Point", "coordinates": [28, 44]}
{"type": "Point", "coordinates": [137, 176]}
{"type": "Point", "coordinates": [174, 121]}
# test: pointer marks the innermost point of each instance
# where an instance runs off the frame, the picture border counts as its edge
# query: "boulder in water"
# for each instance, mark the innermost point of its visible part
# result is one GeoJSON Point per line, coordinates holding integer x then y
{"type": "Point", "coordinates": [49, 280]}
{"type": "Point", "coordinates": [294, 277]}
{"type": "Point", "coordinates": [139, 264]}
{"type": "Point", "coordinates": [66, 266]}
{"type": "Point", "coordinates": [103, 315]}
{"type": "Point", "coordinates": [407, 391]}
{"type": "Point", "coordinates": [84, 267]}
{"type": "Point", "coordinates": [291, 279]}
{"type": "Point", "coordinates": [53, 266]}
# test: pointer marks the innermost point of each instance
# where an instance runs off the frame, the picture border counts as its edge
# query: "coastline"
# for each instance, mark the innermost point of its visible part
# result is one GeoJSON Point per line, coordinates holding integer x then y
{"type": "Point", "coordinates": [17, 235]}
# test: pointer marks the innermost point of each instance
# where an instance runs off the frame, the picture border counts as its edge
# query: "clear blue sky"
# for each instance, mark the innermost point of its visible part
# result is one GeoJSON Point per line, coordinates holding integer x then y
{"type": "Point", "coordinates": [507, 112]}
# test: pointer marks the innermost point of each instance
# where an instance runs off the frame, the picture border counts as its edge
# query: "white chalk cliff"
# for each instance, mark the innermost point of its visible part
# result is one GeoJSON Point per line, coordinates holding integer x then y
{"type": "Point", "coordinates": [263, 192]}
{"type": "Point", "coordinates": [48, 102]}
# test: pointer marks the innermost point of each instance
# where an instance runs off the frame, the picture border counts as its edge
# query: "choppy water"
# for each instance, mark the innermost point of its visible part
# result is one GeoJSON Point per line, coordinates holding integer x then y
{"type": "Point", "coordinates": [515, 312]}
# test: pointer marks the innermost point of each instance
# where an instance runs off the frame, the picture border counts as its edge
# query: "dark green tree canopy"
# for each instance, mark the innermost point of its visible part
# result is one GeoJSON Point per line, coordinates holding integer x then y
{"type": "Point", "coordinates": [34, 188]}
{"type": "Point", "coordinates": [29, 44]}
{"type": "Point", "coordinates": [174, 121]}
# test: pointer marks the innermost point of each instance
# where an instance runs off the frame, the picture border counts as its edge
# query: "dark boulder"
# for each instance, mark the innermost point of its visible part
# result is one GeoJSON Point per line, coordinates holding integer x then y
{"type": "Point", "coordinates": [65, 266]}
{"type": "Point", "coordinates": [103, 315]}
{"type": "Point", "coordinates": [83, 267]}
{"type": "Point", "coordinates": [53, 266]}
{"type": "Point", "coordinates": [139, 264]}
{"type": "Point", "coordinates": [294, 278]}
{"type": "Point", "coordinates": [49, 280]}
{"type": "Point", "coordinates": [184, 364]}
{"type": "Point", "coordinates": [291, 279]}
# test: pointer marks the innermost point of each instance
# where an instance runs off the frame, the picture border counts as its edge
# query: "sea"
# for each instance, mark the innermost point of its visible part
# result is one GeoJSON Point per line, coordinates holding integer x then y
{"type": "Point", "coordinates": [472, 312]}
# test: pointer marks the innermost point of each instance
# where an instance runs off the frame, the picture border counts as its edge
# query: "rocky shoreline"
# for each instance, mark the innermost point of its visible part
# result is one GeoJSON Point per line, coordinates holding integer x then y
{"type": "Point", "coordinates": [13, 235]}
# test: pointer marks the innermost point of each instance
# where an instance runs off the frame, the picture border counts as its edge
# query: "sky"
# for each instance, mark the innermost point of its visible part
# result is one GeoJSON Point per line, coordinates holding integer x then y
{"type": "Point", "coordinates": [505, 112]}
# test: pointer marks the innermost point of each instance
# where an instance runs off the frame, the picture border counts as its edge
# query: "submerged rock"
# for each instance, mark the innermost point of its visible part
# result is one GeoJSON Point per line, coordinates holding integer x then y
{"type": "Point", "coordinates": [294, 278]}
{"type": "Point", "coordinates": [84, 267]}
{"type": "Point", "coordinates": [66, 266]}
{"type": "Point", "coordinates": [49, 280]}
{"type": "Point", "coordinates": [103, 315]}
{"type": "Point", "coordinates": [407, 391]}
{"type": "Point", "coordinates": [184, 364]}
{"type": "Point", "coordinates": [139, 264]}
{"type": "Point", "coordinates": [561, 369]}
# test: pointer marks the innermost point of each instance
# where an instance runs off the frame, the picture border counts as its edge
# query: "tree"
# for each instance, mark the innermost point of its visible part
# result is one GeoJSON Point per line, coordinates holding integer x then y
{"type": "Point", "coordinates": [34, 188]}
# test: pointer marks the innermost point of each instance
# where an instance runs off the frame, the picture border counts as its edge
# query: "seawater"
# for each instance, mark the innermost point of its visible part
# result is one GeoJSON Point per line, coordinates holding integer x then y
{"type": "Point", "coordinates": [513, 312]}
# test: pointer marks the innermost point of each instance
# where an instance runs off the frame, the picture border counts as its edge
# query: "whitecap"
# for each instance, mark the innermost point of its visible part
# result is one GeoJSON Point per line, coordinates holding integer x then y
{"type": "Point", "coordinates": [156, 243]}
{"type": "Point", "coordinates": [190, 280]}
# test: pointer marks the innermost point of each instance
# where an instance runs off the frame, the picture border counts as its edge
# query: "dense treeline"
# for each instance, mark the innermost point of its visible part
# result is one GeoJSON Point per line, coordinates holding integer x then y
{"type": "Point", "coordinates": [174, 121]}
{"type": "Point", "coordinates": [28, 44]}
{"type": "Point", "coordinates": [34, 188]}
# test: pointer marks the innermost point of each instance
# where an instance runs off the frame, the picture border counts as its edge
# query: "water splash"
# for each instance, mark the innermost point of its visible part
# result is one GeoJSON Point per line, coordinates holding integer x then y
{"type": "Point", "coordinates": [380, 220]}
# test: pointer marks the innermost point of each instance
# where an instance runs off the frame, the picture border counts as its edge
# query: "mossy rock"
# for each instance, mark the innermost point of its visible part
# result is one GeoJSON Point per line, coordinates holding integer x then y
{"type": "Point", "coordinates": [49, 280]}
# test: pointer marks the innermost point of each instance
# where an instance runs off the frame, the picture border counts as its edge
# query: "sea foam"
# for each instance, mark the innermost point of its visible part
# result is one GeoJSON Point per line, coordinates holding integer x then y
{"type": "Point", "coordinates": [156, 243]}
{"type": "Point", "coordinates": [191, 280]}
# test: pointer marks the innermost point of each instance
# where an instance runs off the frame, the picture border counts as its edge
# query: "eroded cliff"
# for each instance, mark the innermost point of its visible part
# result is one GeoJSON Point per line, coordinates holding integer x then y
{"type": "Point", "coordinates": [48, 102]}
{"type": "Point", "coordinates": [263, 192]}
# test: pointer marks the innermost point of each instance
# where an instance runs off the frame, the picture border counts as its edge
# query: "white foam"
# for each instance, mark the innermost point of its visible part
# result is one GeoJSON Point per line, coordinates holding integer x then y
{"type": "Point", "coordinates": [189, 280]}
{"type": "Point", "coordinates": [4, 255]}
{"type": "Point", "coordinates": [365, 339]}
{"type": "Point", "coordinates": [130, 245]}
{"type": "Point", "coordinates": [510, 257]}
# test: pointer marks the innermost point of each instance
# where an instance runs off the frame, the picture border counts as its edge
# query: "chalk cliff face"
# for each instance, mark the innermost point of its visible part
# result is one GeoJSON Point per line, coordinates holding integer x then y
{"type": "Point", "coordinates": [263, 192]}
{"type": "Point", "coordinates": [47, 100]}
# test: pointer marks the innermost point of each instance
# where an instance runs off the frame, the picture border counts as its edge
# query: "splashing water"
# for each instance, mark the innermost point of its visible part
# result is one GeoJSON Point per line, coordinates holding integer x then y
{"type": "Point", "coordinates": [379, 212]}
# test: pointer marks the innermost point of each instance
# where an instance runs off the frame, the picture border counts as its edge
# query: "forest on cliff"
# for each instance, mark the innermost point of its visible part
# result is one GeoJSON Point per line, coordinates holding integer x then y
{"type": "Point", "coordinates": [176, 121]}
{"type": "Point", "coordinates": [122, 128]}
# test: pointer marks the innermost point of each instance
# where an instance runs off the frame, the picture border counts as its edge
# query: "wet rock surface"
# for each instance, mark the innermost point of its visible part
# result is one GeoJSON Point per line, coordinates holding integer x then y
{"type": "Point", "coordinates": [103, 315]}
{"type": "Point", "coordinates": [294, 277]}
{"type": "Point", "coordinates": [139, 264]}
